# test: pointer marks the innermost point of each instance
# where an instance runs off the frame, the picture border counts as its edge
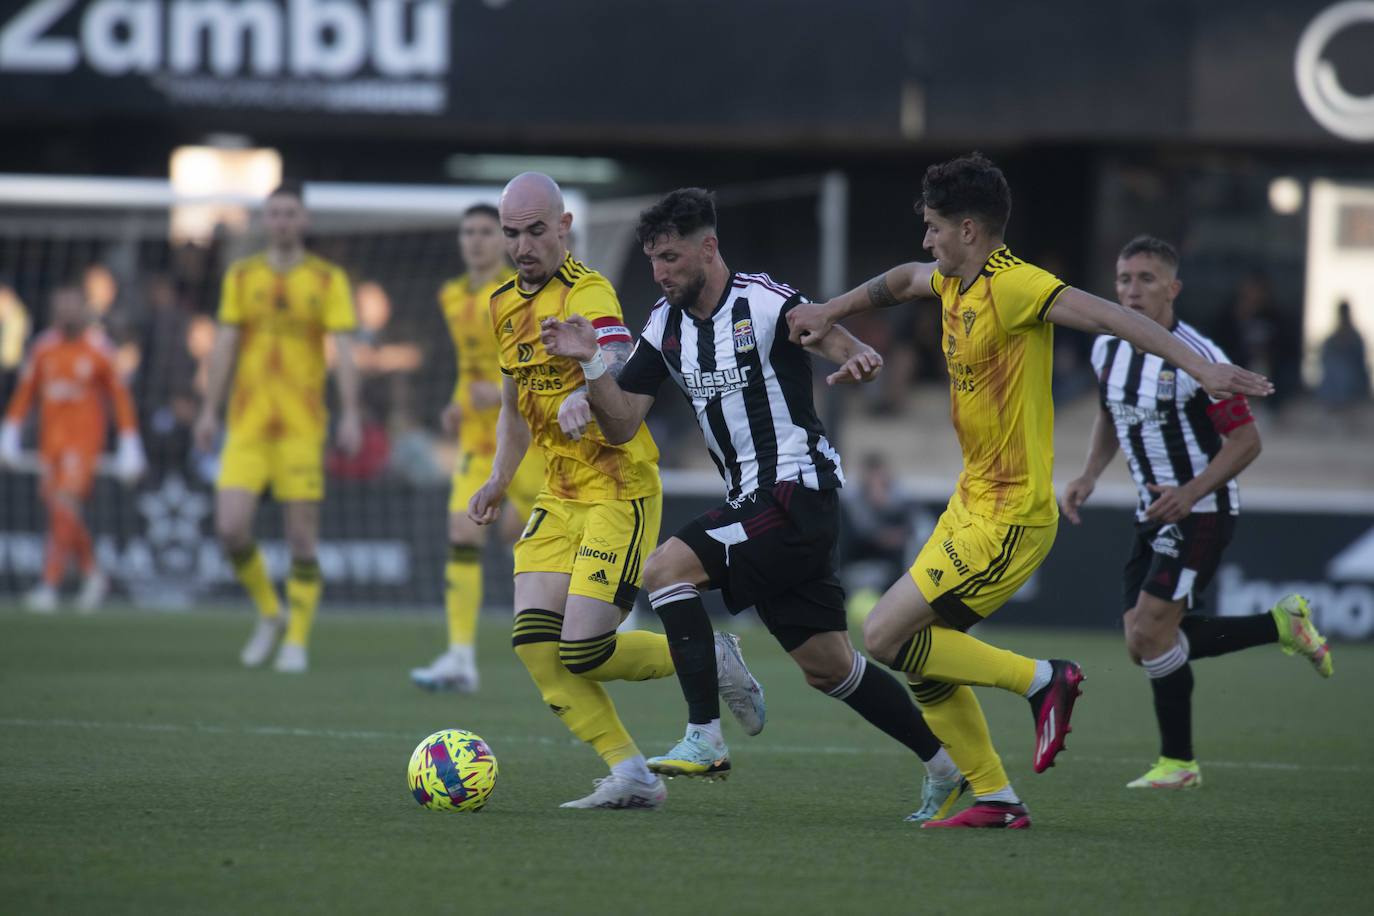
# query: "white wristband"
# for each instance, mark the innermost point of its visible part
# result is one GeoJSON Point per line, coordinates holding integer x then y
{"type": "Point", "coordinates": [595, 367]}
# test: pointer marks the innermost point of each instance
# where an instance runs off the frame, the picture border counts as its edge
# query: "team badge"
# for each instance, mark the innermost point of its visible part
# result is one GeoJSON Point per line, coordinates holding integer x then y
{"type": "Point", "coordinates": [968, 316]}
{"type": "Point", "coordinates": [524, 352]}
{"type": "Point", "coordinates": [744, 336]}
{"type": "Point", "coordinates": [1165, 392]}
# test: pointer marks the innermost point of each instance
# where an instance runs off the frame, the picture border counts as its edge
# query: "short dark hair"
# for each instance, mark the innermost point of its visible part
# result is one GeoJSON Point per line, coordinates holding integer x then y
{"type": "Point", "coordinates": [289, 187]}
{"type": "Point", "coordinates": [1148, 244]}
{"type": "Point", "coordinates": [681, 213]}
{"type": "Point", "coordinates": [970, 186]}
{"type": "Point", "coordinates": [482, 210]}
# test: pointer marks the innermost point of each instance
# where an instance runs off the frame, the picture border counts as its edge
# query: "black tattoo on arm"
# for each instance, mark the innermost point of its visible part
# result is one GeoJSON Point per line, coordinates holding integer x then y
{"type": "Point", "coordinates": [879, 294]}
{"type": "Point", "coordinates": [616, 355]}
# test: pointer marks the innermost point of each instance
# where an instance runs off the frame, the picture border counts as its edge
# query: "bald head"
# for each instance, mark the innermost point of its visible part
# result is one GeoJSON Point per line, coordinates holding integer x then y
{"type": "Point", "coordinates": [535, 226]}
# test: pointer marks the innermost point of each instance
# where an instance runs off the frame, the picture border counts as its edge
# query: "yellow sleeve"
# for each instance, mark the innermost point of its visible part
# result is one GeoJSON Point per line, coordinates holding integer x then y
{"type": "Point", "coordinates": [594, 299]}
{"type": "Point", "coordinates": [937, 280]}
{"type": "Point", "coordinates": [230, 304]}
{"type": "Point", "coordinates": [1024, 293]}
{"type": "Point", "coordinates": [338, 306]}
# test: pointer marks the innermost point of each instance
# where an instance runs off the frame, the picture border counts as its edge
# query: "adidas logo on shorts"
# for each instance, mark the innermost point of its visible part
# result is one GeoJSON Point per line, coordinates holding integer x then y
{"type": "Point", "coordinates": [599, 577]}
{"type": "Point", "coordinates": [935, 574]}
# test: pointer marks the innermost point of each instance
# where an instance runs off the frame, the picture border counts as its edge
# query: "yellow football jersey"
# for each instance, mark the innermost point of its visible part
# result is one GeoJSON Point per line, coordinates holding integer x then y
{"type": "Point", "coordinates": [468, 313]}
{"type": "Point", "coordinates": [279, 382]}
{"type": "Point", "coordinates": [999, 352]}
{"type": "Point", "coordinates": [590, 469]}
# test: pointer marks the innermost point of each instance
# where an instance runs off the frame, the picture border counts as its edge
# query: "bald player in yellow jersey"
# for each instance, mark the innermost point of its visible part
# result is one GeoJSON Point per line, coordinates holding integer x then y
{"type": "Point", "coordinates": [1001, 521]}
{"type": "Point", "coordinates": [578, 562]}
{"type": "Point", "coordinates": [471, 415]}
{"type": "Point", "coordinates": [276, 310]}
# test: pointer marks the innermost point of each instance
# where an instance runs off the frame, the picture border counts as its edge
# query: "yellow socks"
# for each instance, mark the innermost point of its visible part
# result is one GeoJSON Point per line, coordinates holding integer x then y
{"type": "Point", "coordinates": [303, 589]}
{"type": "Point", "coordinates": [634, 656]}
{"type": "Point", "coordinates": [942, 654]}
{"type": "Point", "coordinates": [251, 570]}
{"type": "Point", "coordinates": [583, 705]}
{"type": "Point", "coordinates": [953, 713]}
{"type": "Point", "coordinates": [463, 593]}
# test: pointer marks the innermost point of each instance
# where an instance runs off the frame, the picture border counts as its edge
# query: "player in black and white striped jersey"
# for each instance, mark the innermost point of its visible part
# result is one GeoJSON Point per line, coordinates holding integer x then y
{"type": "Point", "coordinates": [722, 338]}
{"type": "Point", "coordinates": [1185, 451]}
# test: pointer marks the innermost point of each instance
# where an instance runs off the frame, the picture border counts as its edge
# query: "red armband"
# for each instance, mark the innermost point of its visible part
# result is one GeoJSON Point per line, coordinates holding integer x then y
{"type": "Point", "coordinates": [1230, 414]}
{"type": "Point", "coordinates": [611, 330]}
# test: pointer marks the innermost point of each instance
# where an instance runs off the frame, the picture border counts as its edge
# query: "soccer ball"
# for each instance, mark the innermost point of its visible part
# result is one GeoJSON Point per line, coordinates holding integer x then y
{"type": "Point", "coordinates": [452, 770]}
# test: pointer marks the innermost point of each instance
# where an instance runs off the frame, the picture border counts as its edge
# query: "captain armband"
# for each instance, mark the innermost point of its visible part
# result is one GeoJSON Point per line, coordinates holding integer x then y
{"type": "Point", "coordinates": [1230, 414]}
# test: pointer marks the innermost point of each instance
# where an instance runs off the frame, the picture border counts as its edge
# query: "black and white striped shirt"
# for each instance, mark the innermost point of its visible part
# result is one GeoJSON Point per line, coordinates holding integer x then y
{"type": "Point", "coordinates": [748, 385]}
{"type": "Point", "coordinates": [1161, 417]}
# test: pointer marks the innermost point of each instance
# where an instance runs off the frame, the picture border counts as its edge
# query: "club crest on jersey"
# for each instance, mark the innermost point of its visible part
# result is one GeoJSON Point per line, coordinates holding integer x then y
{"type": "Point", "coordinates": [968, 316]}
{"type": "Point", "coordinates": [1165, 391]}
{"type": "Point", "coordinates": [744, 336]}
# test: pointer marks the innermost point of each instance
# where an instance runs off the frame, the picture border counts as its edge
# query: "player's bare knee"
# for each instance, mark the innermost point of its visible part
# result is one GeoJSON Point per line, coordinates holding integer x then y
{"type": "Point", "coordinates": [233, 535]}
{"type": "Point", "coordinates": [670, 563]}
{"type": "Point", "coordinates": [878, 644]}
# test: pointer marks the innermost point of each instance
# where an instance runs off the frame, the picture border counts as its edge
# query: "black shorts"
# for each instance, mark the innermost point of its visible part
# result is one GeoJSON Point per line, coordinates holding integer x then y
{"type": "Point", "coordinates": [1176, 562]}
{"type": "Point", "coordinates": [774, 550]}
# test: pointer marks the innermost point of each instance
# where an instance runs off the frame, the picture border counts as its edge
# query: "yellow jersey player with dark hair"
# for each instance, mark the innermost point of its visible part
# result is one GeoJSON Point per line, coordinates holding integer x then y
{"type": "Point", "coordinates": [1000, 523]}
{"type": "Point", "coordinates": [276, 311]}
{"type": "Point", "coordinates": [578, 563]}
{"type": "Point", "coordinates": [471, 415]}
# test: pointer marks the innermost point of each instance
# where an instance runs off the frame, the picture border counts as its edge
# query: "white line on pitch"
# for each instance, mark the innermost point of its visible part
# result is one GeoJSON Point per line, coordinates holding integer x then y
{"type": "Point", "coordinates": [282, 731]}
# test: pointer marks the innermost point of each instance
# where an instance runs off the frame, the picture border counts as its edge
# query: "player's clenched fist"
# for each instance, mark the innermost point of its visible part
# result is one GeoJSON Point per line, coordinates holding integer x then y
{"type": "Point", "coordinates": [574, 415]}
{"type": "Point", "coordinates": [485, 505]}
{"type": "Point", "coordinates": [574, 338]}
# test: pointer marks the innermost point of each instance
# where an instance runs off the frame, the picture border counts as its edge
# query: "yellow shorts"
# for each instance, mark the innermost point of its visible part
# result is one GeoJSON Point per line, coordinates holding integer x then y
{"type": "Point", "coordinates": [294, 468]}
{"type": "Point", "coordinates": [473, 470]}
{"type": "Point", "coordinates": [602, 545]}
{"type": "Point", "coordinates": [972, 565]}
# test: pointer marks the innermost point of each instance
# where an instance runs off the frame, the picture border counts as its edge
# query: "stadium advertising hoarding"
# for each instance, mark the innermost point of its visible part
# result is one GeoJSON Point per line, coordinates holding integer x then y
{"type": "Point", "coordinates": [1266, 71]}
{"type": "Point", "coordinates": [383, 546]}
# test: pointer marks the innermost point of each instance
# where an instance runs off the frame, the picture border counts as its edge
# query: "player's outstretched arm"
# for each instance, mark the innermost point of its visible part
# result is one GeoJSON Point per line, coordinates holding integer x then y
{"type": "Point", "coordinates": [858, 361]}
{"type": "Point", "coordinates": [1102, 448]}
{"type": "Point", "coordinates": [1240, 447]}
{"type": "Point", "coordinates": [1086, 312]}
{"type": "Point", "coordinates": [349, 435]}
{"type": "Point", "coordinates": [903, 283]}
{"type": "Point", "coordinates": [222, 357]}
{"type": "Point", "coordinates": [512, 442]}
{"type": "Point", "coordinates": [618, 412]}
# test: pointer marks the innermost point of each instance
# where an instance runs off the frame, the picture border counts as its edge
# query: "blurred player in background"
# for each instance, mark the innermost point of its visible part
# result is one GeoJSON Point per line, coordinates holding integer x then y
{"type": "Point", "coordinates": [471, 415]}
{"type": "Point", "coordinates": [71, 374]}
{"type": "Point", "coordinates": [276, 311]}
{"type": "Point", "coordinates": [1001, 520]}
{"type": "Point", "coordinates": [1185, 450]}
{"type": "Point", "coordinates": [578, 563]}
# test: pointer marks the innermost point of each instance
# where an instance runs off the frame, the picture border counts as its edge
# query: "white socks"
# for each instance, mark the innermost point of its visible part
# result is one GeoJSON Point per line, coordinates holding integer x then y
{"type": "Point", "coordinates": [942, 767]}
{"type": "Point", "coordinates": [635, 768]}
{"type": "Point", "coordinates": [1043, 673]}
{"type": "Point", "coordinates": [1004, 794]}
{"type": "Point", "coordinates": [710, 731]}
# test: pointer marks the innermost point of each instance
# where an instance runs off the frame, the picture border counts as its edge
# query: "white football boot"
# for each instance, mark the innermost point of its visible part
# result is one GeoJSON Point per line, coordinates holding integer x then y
{"type": "Point", "coordinates": [93, 592]}
{"type": "Point", "coordinates": [42, 600]}
{"type": "Point", "coordinates": [292, 659]}
{"type": "Point", "coordinates": [455, 670]}
{"type": "Point", "coordinates": [617, 792]}
{"type": "Point", "coordinates": [738, 688]}
{"type": "Point", "coordinates": [266, 634]}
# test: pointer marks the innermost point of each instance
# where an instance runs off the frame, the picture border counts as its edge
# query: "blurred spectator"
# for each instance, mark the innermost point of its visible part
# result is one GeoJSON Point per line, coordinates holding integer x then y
{"type": "Point", "coordinates": [165, 376]}
{"type": "Point", "coordinates": [1072, 376]}
{"type": "Point", "coordinates": [385, 360]}
{"type": "Point", "coordinates": [1251, 331]}
{"type": "Point", "coordinates": [1345, 374]}
{"type": "Point", "coordinates": [875, 527]}
{"type": "Point", "coordinates": [412, 453]}
{"type": "Point", "coordinates": [14, 332]}
{"type": "Point", "coordinates": [370, 461]}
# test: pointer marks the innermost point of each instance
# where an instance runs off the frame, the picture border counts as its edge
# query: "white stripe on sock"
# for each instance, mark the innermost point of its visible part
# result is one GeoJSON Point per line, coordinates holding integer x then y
{"type": "Point", "coordinates": [851, 683]}
{"type": "Point", "coordinates": [1167, 663]}
{"type": "Point", "coordinates": [678, 591]}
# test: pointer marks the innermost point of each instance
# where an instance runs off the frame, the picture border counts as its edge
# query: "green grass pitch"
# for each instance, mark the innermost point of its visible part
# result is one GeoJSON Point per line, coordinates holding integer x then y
{"type": "Point", "coordinates": [142, 771]}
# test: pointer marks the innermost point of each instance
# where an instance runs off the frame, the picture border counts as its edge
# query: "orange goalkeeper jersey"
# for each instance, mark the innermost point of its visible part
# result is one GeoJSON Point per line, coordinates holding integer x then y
{"type": "Point", "coordinates": [71, 378]}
